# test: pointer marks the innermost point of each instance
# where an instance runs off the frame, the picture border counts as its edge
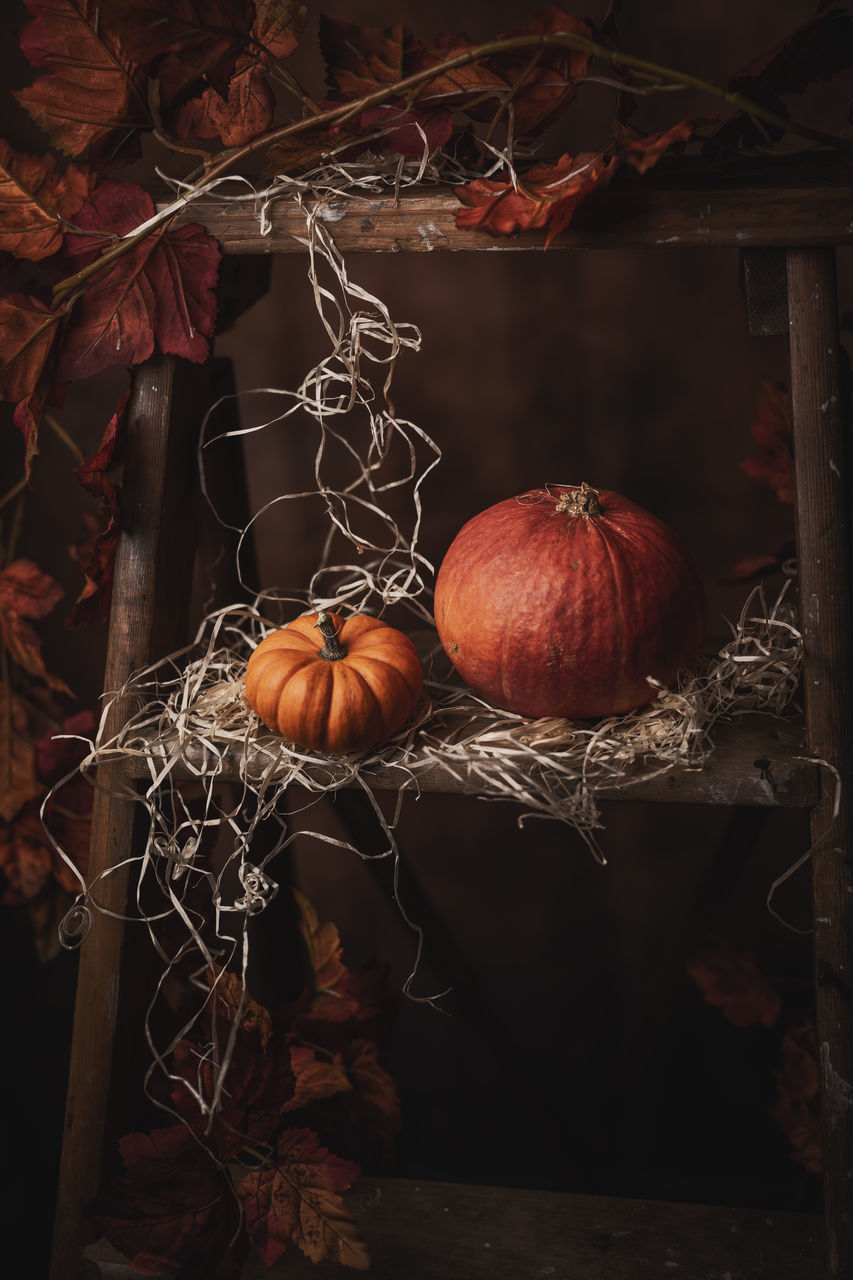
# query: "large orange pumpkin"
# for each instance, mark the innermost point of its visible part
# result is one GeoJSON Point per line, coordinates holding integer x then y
{"type": "Point", "coordinates": [334, 684]}
{"type": "Point", "coordinates": [561, 601]}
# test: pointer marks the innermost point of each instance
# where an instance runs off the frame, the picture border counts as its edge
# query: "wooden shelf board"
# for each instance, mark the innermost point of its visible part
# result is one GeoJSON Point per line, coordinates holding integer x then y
{"type": "Point", "coordinates": [754, 763]}
{"type": "Point", "coordinates": [681, 205]}
{"type": "Point", "coordinates": [422, 1230]}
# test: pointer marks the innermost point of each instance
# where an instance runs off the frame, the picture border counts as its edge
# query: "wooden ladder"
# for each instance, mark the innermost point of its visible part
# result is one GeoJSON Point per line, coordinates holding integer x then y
{"type": "Point", "coordinates": [788, 220]}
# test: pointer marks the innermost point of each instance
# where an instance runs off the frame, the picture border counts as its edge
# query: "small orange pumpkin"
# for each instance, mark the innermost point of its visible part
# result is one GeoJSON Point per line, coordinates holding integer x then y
{"type": "Point", "coordinates": [346, 691]}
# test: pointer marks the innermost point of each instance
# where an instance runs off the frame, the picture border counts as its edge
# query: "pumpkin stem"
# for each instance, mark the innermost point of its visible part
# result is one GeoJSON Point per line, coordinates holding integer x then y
{"type": "Point", "coordinates": [580, 502]}
{"type": "Point", "coordinates": [332, 649]}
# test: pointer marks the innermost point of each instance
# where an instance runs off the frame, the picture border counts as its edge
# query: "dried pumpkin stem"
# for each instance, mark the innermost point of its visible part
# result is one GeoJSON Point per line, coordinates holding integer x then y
{"type": "Point", "coordinates": [580, 502]}
{"type": "Point", "coordinates": [332, 649]}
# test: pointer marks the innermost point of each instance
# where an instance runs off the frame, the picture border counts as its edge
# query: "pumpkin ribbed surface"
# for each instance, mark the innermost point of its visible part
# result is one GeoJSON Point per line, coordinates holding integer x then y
{"type": "Point", "coordinates": [343, 704]}
{"type": "Point", "coordinates": [561, 601]}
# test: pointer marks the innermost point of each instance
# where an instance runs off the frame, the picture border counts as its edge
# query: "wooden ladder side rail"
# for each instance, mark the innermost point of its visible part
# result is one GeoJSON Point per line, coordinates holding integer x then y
{"type": "Point", "coordinates": [160, 398]}
{"type": "Point", "coordinates": [823, 558]}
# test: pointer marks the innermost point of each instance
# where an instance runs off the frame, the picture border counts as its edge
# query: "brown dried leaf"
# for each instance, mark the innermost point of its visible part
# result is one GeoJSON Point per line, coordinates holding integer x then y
{"type": "Point", "coordinates": [94, 94]}
{"type": "Point", "coordinates": [731, 981]}
{"type": "Point", "coordinates": [295, 1198]}
{"type": "Point", "coordinates": [315, 1078]}
{"type": "Point", "coordinates": [19, 781]}
{"type": "Point", "coordinates": [25, 593]}
{"type": "Point", "coordinates": [773, 463]}
{"type": "Point", "coordinates": [35, 197]}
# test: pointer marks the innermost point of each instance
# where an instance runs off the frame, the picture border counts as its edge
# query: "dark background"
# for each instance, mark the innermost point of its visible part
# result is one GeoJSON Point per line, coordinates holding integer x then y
{"type": "Point", "coordinates": [577, 1054]}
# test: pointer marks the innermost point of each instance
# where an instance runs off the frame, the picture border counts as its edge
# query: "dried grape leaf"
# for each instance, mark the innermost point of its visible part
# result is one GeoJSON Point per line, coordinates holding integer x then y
{"type": "Point", "coordinates": [36, 195]}
{"type": "Point", "coordinates": [19, 781]}
{"type": "Point", "coordinates": [732, 982]}
{"type": "Point", "coordinates": [26, 592]}
{"type": "Point", "coordinates": [243, 108]}
{"type": "Point", "coordinates": [546, 197]}
{"type": "Point", "coordinates": [172, 1210]}
{"type": "Point", "coordinates": [315, 1078]}
{"type": "Point", "coordinates": [27, 333]}
{"type": "Point", "coordinates": [295, 1198]}
{"type": "Point", "coordinates": [773, 463]}
{"type": "Point", "coordinates": [94, 94]}
{"type": "Point", "coordinates": [96, 552]}
{"type": "Point", "coordinates": [163, 289]}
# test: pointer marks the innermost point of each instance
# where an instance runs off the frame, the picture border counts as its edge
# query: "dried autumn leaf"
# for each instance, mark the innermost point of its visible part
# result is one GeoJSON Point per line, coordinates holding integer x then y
{"type": "Point", "coordinates": [26, 593]}
{"type": "Point", "coordinates": [256, 1090]}
{"type": "Point", "coordinates": [773, 463]}
{"type": "Point", "coordinates": [540, 93]}
{"type": "Point", "coordinates": [360, 59]}
{"type": "Point", "coordinates": [796, 1109]}
{"type": "Point", "coordinates": [315, 1078]}
{"type": "Point", "coordinates": [731, 981]}
{"type": "Point", "coordinates": [753, 567]}
{"type": "Point", "coordinates": [35, 197]}
{"type": "Point", "coordinates": [163, 289]}
{"type": "Point", "coordinates": [819, 49]}
{"type": "Point", "coordinates": [27, 857]}
{"type": "Point", "coordinates": [244, 108]}
{"type": "Point", "coordinates": [173, 1210]}
{"type": "Point", "coordinates": [19, 781]}
{"type": "Point", "coordinates": [295, 1198]}
{"type": "Point", "coordinates": [546, 197]}
{"type": "Point", "coordinates": [94, 95]}
{"type": "Point", "coordinates": [324, 947]}
{"type": "Point", "coordinates": [232, 1000]}
{"type": "Point", "coordinates": [27, 333]}
{"type": "Point", "coordinates": [96, 554]}
{"type": "Point", "coordinates": [375, 1100]}
{"type": "Point", "coordinates": [642, 153]}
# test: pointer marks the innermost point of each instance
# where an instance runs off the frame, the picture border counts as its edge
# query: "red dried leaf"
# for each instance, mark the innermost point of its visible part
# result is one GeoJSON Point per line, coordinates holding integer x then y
{"type": "Point", "coordinates": [232, 1000]}
{"type": "Point", "coordinates": [375, 1100]}
{"type": "Point", "coordinates": [27, 332]}
{"type": "Point", "coordinates": [96, 552]}
{"type": "Point", "coordinates": [243, 109]}
{"type": "Point", "coordinates": [57, 754]}
{"type": "Point", "coordinates": [643, 153]}
{"type": "Point", "coordinates": [25, 593]}
{"type": "Point", "coordinates": [731, 981]}
{"type": "Point", "coordinates": [245, 112]}
{"type": "Point", "coordinates": [28, 859]}
{"type": "Point", "coordinates": [27, 418]}
{"type": "Point", "coordinates": [35, 196]}
{"type": "Point", "coordinates": [818, 50]}
{"type": "Point", "coordinates": [324, 948]}
{"type": "Point", "coordinates": [257, 1089]}
{"type": "Point", "coordinates": [540, 94]}
{"type": "Point", "coordinates": [173, 1210]}
{"type": "Point", "coordinates": [19, 781]}
{"type": "Point", "coordinates": [773, 463]}
{"type": "Point", "coordinates": [457, 89]}
{"type": "Point", "coordinates": [407, 132]}
{"type": "Point", "coordinates": [315, 1078]}
{"type": "Point", "coordinates": [296, 1198]}
{"type": "Point", "coordinates": [547, 196]}
{"type": "Point", "coordinates": [753, 567]}
{"type": "Point", "coordinates": [162, 289]}
{"type": "Point", "coordinates": [362, 59]}
{"type": "Point", "coordinates": [94, 95]}
{"type": "Point", "coordinates": [796, 1109]}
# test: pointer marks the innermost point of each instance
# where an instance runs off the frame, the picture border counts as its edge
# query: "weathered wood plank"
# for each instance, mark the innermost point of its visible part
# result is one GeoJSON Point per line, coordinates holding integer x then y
{"type": "Point", "coordinates": [823, 558]}
{"type": "Point", "coordinates": [164, 391]}
{"type": "Point", "coordinates": [425, 1230]}
{"type": "Point", "coordinates": [754, 763]}
{"type": "Point", "coordinates": [693, 206]}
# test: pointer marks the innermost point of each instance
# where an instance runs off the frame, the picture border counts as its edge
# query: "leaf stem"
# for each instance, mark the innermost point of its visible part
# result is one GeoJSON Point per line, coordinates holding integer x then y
{"type": "Point", "coordinates": [229, 159]}
{"type": "Point", "coordinates": [58, 430]}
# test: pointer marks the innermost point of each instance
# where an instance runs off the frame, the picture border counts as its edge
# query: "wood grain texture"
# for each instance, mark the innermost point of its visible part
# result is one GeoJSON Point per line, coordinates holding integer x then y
{"type": "Point", "coordinates": [823, 553]}
{"type": "Point", "coordinates": [754, 762]}
{"type": "Point", "coordinates": [150, 456]}
{"type": "Point", "coordinates": [432, 1230]}
{"type": "Point", "coordinates": [680, 205]}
